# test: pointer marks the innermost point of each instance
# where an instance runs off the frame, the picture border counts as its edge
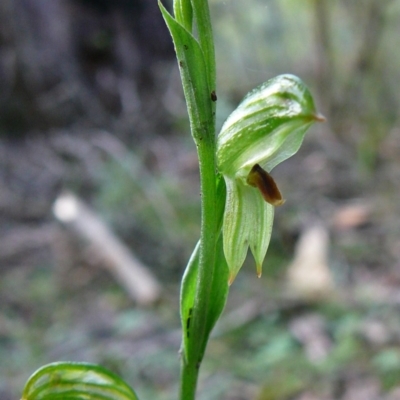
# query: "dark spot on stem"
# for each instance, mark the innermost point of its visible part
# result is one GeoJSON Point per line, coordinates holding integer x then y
{"type": "Point", "coordinates": [188, 322]}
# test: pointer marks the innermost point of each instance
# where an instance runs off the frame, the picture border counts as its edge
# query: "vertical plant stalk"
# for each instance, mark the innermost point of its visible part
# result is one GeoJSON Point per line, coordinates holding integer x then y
{"type": "Point", "coordinates": [196, 60]}
{"type": "Point", "coordinates": [208, 237]}
{"type": "Point", "coordinates": [202, 16]}
{"type": "Point", "coordinates": [206, 149]}
{"type": "Point", "coordinates": [275, 114]}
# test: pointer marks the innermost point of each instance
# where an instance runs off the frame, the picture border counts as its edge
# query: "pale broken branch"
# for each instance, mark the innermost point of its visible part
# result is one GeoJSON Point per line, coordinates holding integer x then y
{"type": "Point", "coordinates": [127, 269]}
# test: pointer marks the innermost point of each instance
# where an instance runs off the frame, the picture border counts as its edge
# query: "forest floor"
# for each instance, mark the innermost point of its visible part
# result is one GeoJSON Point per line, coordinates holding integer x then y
{"type": "Point", "coordinates": [279, 338]}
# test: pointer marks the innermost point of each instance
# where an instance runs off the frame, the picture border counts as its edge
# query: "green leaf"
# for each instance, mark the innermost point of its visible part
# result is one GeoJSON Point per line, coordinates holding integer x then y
{"type": "Point", "coordinates": [76, 381]}
{"type": "Point", "coordinates": [219, 294]}
{"type": "Point", "coordinates": [183, 12]}
{"type": "Point", "coordinates": [188, 291]}
{"type": "Point", "coordinates": [220, 289]}
{"type": "Point", "coordinates": [202, 17]}
{"type": "Point", "coordinates": [194, 78]}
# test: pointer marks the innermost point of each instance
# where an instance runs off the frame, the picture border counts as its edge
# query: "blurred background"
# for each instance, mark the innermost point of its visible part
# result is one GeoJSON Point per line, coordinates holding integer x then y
{"type": "Point", "coordinates": [98, 178]}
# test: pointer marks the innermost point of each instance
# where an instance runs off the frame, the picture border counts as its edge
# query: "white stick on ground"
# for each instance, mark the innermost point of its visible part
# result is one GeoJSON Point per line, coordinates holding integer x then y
{"type": "Point", "coordinates": [141, 285]}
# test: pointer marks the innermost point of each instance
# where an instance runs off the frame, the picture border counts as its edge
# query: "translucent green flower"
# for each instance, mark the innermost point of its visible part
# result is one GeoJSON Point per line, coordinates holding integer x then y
{"type": "Point", "coordinates": [266, 128]}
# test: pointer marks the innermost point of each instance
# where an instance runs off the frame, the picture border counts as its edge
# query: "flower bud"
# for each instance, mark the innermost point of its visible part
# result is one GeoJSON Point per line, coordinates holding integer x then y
{"type": "Point", "coordinates": [266, 128]}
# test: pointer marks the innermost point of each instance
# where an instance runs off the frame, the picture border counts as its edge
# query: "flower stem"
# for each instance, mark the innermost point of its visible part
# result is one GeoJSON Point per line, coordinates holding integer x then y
{"type": "Point", "coordinates": [203, 132]}
{"type": "Point", "coordinates": [208, 237]}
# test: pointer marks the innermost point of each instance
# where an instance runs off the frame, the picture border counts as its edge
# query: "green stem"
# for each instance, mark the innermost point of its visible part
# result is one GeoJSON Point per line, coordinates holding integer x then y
{"type": "Point", "coordinates": [208, 238]}
{"type": "Point", "coordinates": [205, 36]}
{"type": "Point", "coordinates": [189, 375]}
{"type": "Point", "coordinates": [204, 135]}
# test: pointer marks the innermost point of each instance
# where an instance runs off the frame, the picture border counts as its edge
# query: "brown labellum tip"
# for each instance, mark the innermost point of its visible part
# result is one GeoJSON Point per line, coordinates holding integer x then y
{"type": "Point", "coordinates": [319, 117]}
{"type": "Point", "coordinates": [264, 182]}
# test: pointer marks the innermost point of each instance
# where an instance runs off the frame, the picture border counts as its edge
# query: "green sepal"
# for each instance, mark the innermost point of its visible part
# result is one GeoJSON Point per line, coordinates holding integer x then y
{"type": "Point", "coordinates": [76, 381]}
{"type": "Point", "coordinates": [247, 222]}
{"type": "Point", "coordinates": [194, 78]}
{"type": "Point", "coordinates": [267, 127]}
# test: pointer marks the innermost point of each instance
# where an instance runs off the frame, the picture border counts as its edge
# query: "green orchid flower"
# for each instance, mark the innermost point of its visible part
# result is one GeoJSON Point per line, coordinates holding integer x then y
{"type": "Point", "coordinates": [266, 128]}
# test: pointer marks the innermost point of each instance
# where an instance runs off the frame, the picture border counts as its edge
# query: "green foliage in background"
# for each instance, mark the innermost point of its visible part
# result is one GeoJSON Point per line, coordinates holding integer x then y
{"type": "Point", "coordinates": [347, 51]}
